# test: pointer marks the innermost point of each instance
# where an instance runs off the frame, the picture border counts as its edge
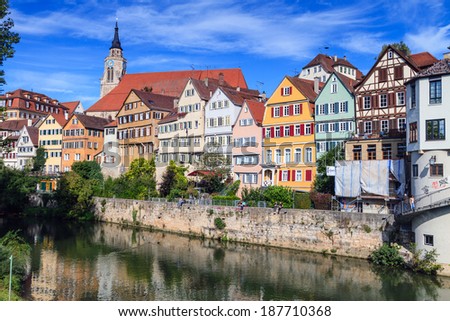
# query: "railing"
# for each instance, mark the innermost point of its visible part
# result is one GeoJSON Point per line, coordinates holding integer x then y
{"type": "Point", "coordinates": [208, 201]}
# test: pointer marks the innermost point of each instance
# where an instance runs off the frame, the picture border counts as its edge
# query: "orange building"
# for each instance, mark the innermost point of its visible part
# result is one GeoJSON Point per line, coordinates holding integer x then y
{"type": "Point", "coordinates": [82, 139]}
{"type": "Point", "coordinates": [288, 144]}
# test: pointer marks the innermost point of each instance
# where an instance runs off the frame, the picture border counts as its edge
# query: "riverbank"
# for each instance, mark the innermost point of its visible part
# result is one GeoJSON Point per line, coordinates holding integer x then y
{"type": "Point", "coordinates": [339, 233]}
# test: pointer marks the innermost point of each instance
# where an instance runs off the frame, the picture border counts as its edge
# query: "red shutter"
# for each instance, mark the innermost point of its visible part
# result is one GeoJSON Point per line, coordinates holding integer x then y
{"type": "Point", "coordinates": [302, 129]}
{"type": "Point", "coordinates": [308, 175]}
{"type": "Point", "coordinates": [281, 131]}
{"type": "Point", "coordinates": [291, 110]}
{"type": "Point", "coordinates": [272, 110]}
{"type": "Point", "coordinates": [293, 175]}
{"type": "Point", "coordinates": [312, 128]}
{"type": "Point", "coordinates": [290, 90]}
{"type": "Point", "coordinates": [281, 91]}
{"type": "Point", "coordinates": [280, 175]}
{"type": "Point", "coordinates": [272, 132]}
{"type": "Point", "coordinates": [263, 132]}
{"type": "Point", "coordinates": [301, 109]}
{"type": "Point", "coordinates": [289, 175]}
{"type": "Point", "coordinates": [391, 101]}
{"type": "Point", "coordinates": [375, 101]}
{"type": "Point", "coordinates": [360, 104]}
{"type": "Point", "coordinates": [291, 130]}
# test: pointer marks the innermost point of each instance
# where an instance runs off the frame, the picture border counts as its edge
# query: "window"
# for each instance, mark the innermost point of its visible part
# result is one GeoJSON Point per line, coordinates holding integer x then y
{"type": "Point", "coordinates": [437, 170]}
{"type": "Point", "coordinates": [390, 54]}
{"type": "Point", "coordinates": [278, 156]}
{"type": "Point", "coordinates": [284, 175]}
{"type": "Point", "coordinates": [383, 75]}
{"type": "Point", "coordinates": [413, 95]}
{"type": "Point", "coordinates": [267, 132]}
{"type": "Point", "coordinates": [268, 156]}
{"type": "Point", "coordinates": [401, 150]}
{"type": "Point", "coordinates": [287, 131]}
{"type": "Point", "coordinates": [287, 155]}
{"type": "Point", "coordinates": [342, 126]}
{"type": "Point", "coordinates": [250, 178]}
{"type": "Point", "coordinates": [297, 130]}
{"type": "Point", "coordinates": [387, 151]}
{"type": "Point", "coordinates": [308, 155]}
{"type": "Point", "coordinates": [297, 109]}
{"type": "Point", "coordinates": [343, 107]}
{"type": "Point", "coordinates": [298, 175]}
{"type": "Point", "coordinates": [368, 127]}
{"type": "Point", "coordinates": [276, 112]}
{"type": "Point", "coordinates": [435, 91]}
{"type": "Point", "coordinates": [77, 157]}
{"type": "Point", "coordinates": [401, 98]}
{"type": "Point", "coordinates": [75, 121]}
{"type": "Point", "coordinates": [371, 152]}
{"type": "Point", "coordinates": [331, 128]}
{"type": "Point", "coordinates": [307, 129]}
{"type": "Point", "coordinates": [402, 124]}
{"type": "Point", "coordinates": [428, 239]}
{"type": "Point", "coordinates": [277, 131]}
{"type": "Point", "coordinates": [298, 155]}
{"type": "Point", "coordinates": [384, 126]}
{"type": "Point", "coordinates": [66, 156]}
{"type": "Point", "coordinates": [435, 129]}
{"type": "Point", "coordinates": [286, 111]}
{"type": "Point", "coordinates": [286, 91]}
{"type": "Point", "coordinates": [357, 152]}
{"type": "Point", "coordinates": [383, 100]}
{"type": "Point", "coordinates": [415, 170]}
{"type": "Point", "coordinates": [320, 109]}
{"type": "Point", "coordinates": [367, 104]}
{"type": "Point", "coordinates": [413, 132]}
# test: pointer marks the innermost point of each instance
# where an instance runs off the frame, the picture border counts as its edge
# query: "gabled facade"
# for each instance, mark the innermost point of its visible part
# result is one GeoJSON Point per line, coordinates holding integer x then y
{"type": "Point", "coordinates": [428, 139]}
{"type": "Point", "coordinates": [137, 123]}
{"type": "Point", "coordinates": [247, 145]}
{"type": "Point", "coordinates": [289, 150]}
{"type": "Point", "coordinates": [82, 139]}
{"type": "Point", "coordinates": [9, 134]}
{"type": "Point", "coordinates": [50, 138]}
{"type": "Point", "coordinates": [334, 113]}
{"type": "Point", "coordinates": [182, 133]}
{"type": "Point", "coordinates": [221, 113]}
{"type": "Point", "coordinates": [75, 107]}
{"type": "Point", "coordinates": [27, 145]}
{"type": "Point", "coordinates": [109, 159]}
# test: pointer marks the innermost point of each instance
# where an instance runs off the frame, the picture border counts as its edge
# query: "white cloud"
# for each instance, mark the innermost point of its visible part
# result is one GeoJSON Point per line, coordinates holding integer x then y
{"type": "Point", "coordinates": [433, 39]}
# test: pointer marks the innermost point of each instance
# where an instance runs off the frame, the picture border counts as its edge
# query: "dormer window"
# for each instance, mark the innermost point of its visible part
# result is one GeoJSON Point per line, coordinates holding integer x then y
{"type": "Point", "coordinates": [286, 91]}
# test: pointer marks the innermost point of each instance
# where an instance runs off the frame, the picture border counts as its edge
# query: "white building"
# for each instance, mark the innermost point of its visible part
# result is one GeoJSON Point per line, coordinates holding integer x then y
{"type": "Point", "coordinates": [110, 156]}
{"type": "Point", "coordinates": [27, 145]}
{"type": "Point", "coordinates": [428, 105]}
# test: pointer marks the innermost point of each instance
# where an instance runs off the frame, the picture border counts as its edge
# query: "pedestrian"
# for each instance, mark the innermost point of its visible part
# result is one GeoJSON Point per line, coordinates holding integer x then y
{"type": "Point", "coordinates": [275, 207]}
{"type": "Point", "coordinates": [280, 206]}
{"type": "Point", "coordinates": [412, 203]}
{"type": "Point", "coordinates": [180, 202]}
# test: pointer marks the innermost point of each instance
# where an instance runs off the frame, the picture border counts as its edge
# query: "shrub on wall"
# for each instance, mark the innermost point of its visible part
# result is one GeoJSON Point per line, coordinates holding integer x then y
{"type": "Point", "coordinates": [321, 201]}
{"type": "Point", "coordinates": [302, 200]}
{"type": "Point", "coordinates": [387, 255]}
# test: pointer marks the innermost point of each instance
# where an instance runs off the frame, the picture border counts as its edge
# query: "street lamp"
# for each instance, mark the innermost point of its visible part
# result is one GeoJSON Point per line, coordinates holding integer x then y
{"type": "Point", "coordinates": [10, 277]}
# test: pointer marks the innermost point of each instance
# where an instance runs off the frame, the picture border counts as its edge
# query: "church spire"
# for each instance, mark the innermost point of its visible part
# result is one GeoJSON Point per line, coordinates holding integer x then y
{"type": "Point", "coordinates": [116, 42]}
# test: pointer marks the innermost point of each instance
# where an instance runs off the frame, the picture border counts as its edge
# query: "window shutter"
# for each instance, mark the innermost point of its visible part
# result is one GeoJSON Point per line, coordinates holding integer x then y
{"type": "Point", "coordinates": [336, 127]}
{"type": "Point", "coordinates": [281, 131]}
{"type": "Point", "coordinates": [272, 109]}
{"type": "Point", "coordinates": [302, 129]}
{"type": "Point", "coordinates": [308, 175]}
{"type": "Point", "coordinates": [325, 128]}
{"type": "Point", "coordinates": [291, 110]}
{"type": "Point", "coordinates": [360, 103]}
{"type": "Point", "coordinates": [375, 101]}
{"type": "Point", "coordinates": [361, 128]}
{"type": "Point", "coordinates": [290, 90]}
{"type": "Point", "coordinates": [288, 175]}
{"type": "Point", "coordinates": [326, 109]}
{"type": "Point", "coordinates": [263, 132]}
{"type": "Point", "coordinates": [281, 91]}
{"type": "Point", "coordinates": [391, 98]}
{"type": "Point", "coordinates": [312, 128]}
{"type": "Point", "coordinates": [272, 132]}
{"type": "Point", "coordinates": [301, 109]}
{"type": "Point", "coordinates": [291, 130]}
{"type": "Point", "coordinates": [280, 175]}
{"type": "Point", "coordinates": [346, 106]}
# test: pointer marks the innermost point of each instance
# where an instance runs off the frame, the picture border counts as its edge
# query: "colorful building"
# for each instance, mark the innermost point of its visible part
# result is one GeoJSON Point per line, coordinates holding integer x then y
{"type": "Point", "coordinates": [289, 154]}
{"type": "Point", "coordinates": [50, 138]}
{"type": "Point", "coordinates": [27, 145]}
{"type": "Point", "coordinates": [82, 140]}
{"type": "Point", "coordinates": [247, 145]}
{"type": "Point", "coordinates": [334, 113]}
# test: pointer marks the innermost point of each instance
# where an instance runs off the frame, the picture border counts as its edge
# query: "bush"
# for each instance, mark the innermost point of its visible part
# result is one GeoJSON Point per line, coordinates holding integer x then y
{"type": "Point", "coordinates": [225, 197]}
{"type": "Point", "coordinates": [302, 200]}
{"type": "Point", "coordinates": [321, 201]}
{"type": "Point", "coordinates": [219, 223]}
{"type": "Point", "coordinates": [424, 262]}
{"type": "Point", "coordinates": [387, 255]}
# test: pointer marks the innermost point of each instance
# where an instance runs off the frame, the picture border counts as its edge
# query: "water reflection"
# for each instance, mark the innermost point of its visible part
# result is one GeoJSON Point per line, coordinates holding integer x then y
{"type": "Point", "coordinates": [74, 261]}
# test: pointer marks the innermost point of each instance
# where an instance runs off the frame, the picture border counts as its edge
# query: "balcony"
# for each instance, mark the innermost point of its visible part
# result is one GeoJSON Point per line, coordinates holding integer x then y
{"type": "Point", "coordinates": [393, 133]}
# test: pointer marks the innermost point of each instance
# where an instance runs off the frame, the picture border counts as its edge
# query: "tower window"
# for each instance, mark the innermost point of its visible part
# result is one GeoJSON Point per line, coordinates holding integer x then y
{"type": "Point", "coordinates": [110, 74]}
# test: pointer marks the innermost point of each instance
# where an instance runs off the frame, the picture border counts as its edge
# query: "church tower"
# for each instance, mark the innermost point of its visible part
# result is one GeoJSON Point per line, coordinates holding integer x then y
{"type": "Point", "coordinates": [115, 66]}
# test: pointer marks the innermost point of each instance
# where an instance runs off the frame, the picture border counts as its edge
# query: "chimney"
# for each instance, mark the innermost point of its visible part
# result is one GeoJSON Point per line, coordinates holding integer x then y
{"type": "Point", "coordinates": [316, 85]}
{"type": "Point", "coordinates": [175, 103]}
{"type": "Point", "coordinates": [221, 80]}
{"type": "Point", "coordinates": [345, 58]}
{"type": "Point", "coordinates": [29, 122]}
{"type": "Point", "coordinates": [335, 58]}
{"type": "Point", "coordinates": [66, 115]}
{"type": "Point", "coordinates": [238, 88]}
{"type": "Point", "coordinates": [206, 81]}
{"type": "Point", "coordinates": [263, 96]}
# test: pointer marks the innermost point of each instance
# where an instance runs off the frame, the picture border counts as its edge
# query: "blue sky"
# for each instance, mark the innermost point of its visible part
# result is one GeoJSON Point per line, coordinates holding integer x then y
{"type": "Point", "coordinates": [63, 42]}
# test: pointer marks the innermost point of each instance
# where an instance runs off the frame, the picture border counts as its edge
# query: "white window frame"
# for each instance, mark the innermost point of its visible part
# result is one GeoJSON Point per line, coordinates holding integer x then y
{"type": "Point", "coordinates": [400, 98]}
{"type": "Point", "coordinates": [298, 175]}
{"type": "Point", "coordinates": [383, 100]}
{"type": "Point", "coordinates": [287, 155]}
{"type": "Point", "coordinates": [284, 175]}
{"type": "Point", "coordinates": [367, 104]}
{"type": "Point", "coordinates": [367, 126]}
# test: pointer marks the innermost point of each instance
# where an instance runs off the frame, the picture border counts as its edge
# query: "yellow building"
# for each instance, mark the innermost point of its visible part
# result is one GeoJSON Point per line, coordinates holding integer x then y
{"type": "Point", "coordinates": [288, 135]}
{"type": "Point", "coordinates": [50, 138]}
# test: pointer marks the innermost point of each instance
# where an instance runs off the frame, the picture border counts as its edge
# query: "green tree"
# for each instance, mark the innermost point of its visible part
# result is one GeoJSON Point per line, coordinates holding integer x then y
{"type": "Point", "coordinates": [39, 160]}
{"type": "Point", "coordinates": [139, 181]}
{"type": "Point", "coordinates": [174, 183]}
{"type": "Point", "coordinates": [217, 168]}
{"type": "Point", "coordinates": [7, 38]}
{"type": "Point", "coordinates": [323, 183]}
{"type": "Point", "coordinates": [278, 194]}
{"type": "Point", "coordinates": [400, 46]}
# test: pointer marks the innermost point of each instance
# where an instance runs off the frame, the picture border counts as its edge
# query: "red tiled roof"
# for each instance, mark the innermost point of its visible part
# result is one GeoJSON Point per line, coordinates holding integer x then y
{"type": "Point", "coordinates": [173, 116]}
{"type": "Point", "coordinates": [112, 124]}
{"type": "Point", "coordinates": [33, 132]}
{"type": "Point", "coordinates": [21, 94]}
{"type": "Point", "coordinates": [237, 97]}
{"type": "Point", "coordinates": [348, 82]}
{"type": "Point", "coordinates": [92, 121]}
{"type": "Point", "coordinates": [328, 63]}
{"type": "Point", "coordinates": [423, 59]}
{"type": "Point", "coordinates": [306, 87]}
{"type": "Point", "coordinates": [71, 105]}
{"type": "Point", "coordinates": [155, 101]}
{"type": "Point", "coordinates": [169, 83]}
{"type": "Point", "coordinates": [12, 125]}
{"type": "Point", "coordinates": [257, 110]}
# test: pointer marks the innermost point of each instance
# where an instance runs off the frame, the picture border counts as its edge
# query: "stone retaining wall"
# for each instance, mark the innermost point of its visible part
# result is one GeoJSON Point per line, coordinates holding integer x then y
{"type": "Point", "coordinates": [348, 234]}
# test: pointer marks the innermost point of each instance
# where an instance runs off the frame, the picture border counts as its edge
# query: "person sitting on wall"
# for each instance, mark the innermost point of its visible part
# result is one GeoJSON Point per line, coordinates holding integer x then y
{"type": "Point", "coordinates": [280, 206]}
{"type": "Point", "coordinates": [180, 202]}
{"type": "Point", "coordinates": [275, 207]}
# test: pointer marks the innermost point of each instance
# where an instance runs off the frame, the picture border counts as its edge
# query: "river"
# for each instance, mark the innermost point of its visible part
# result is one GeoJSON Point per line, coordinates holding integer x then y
{"type": "Point", "coordinates": [99, 261]}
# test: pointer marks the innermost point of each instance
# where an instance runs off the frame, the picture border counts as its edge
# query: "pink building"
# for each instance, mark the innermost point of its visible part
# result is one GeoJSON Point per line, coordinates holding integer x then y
{"type": "Point", "coordinates": [247, 145]}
